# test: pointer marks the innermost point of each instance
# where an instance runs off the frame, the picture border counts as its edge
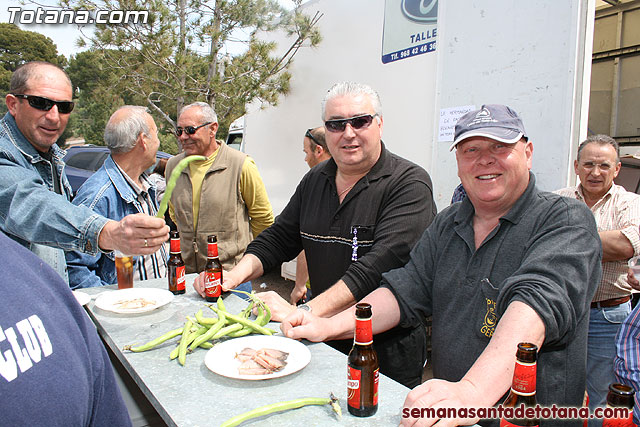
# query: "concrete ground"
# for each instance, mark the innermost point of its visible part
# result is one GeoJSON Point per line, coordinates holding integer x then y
{"type": "Point", "coordinates": [273, 281]}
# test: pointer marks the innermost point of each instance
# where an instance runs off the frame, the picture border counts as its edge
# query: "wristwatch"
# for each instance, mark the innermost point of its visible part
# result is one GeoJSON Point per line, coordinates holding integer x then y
{"type": "Point", "coordinates": [305, 307]}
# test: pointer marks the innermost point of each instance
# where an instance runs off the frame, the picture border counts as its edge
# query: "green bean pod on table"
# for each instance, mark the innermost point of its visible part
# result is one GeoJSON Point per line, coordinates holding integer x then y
{"type": "Point", "coordinates": [283, 406]}
{"type": "Point", "coordinates": [202, 332]}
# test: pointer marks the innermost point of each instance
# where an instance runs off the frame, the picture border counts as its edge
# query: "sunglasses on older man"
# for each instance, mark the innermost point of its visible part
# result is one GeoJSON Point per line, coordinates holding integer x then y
{"type": "Point", "coordinates": [358, 122]}
{"type": "Point", "coordinates": [310, 136]}
{"type": "Point", "coordinates": [46, 104]}
{"type": "Point", "coordinates": [190, 130]}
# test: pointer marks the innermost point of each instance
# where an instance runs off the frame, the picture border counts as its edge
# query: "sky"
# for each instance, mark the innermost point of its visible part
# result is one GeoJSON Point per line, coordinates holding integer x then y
{"type": "Point", "coordinates": [63, 35]}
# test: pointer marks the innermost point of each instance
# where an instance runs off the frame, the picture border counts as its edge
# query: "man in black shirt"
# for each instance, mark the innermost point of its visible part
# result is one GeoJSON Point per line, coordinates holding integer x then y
{"type": "Point", "coordinates": [357, 215]}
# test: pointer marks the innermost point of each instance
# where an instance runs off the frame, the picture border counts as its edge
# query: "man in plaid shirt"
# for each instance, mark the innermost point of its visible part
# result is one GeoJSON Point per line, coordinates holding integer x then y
{"type": "Point", "coordinates": [617, 214]}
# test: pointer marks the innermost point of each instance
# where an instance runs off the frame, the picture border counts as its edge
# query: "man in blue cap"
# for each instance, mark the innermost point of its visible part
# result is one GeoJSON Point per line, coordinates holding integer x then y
{"type": "Point", "coordinates": [508, 264]}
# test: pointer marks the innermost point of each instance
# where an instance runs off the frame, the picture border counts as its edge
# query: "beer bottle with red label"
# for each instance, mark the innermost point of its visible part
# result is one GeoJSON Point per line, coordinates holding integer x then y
{"type": "Point", "coordinates": [212, 271]}
{"type": "Point", "coordinates": [362, 374]}
{"type": "Point", "coordinates": [175, 264]}
{"type": "Point", "coordinates": [620, 396]}
{"type": "Point", "coordinates": [523, 388]}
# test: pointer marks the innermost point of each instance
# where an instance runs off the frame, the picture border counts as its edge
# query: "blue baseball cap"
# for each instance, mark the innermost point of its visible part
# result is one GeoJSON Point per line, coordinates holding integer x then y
{"type": "Point", "coordinates": [493, 121]}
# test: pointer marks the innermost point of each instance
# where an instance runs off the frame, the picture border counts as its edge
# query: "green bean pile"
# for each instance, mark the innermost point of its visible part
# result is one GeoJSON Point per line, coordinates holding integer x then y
{"type": "Point", "coordinates": [171, 183]}
{"type": "Point", "coordinates": [201, 331]}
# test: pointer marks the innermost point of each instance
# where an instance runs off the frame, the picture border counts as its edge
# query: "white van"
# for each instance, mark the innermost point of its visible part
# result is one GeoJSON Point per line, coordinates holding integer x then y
{"type": "Point", "coordinates": [236, 132]}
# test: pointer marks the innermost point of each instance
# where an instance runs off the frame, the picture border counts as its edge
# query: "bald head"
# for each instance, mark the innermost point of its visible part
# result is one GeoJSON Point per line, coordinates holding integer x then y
{"type": "Point", "coordinates": [124, 127]}
{"type": "Point", "coordinates": [28, 75]}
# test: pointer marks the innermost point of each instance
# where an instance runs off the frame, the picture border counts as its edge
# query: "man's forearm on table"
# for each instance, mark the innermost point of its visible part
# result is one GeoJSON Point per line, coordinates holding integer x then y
{"type": "Point", "coordinates": [385, 309]}
{"type": "Point", "coordinates": [249, 268]}
{"type": "Point", "coordinates": [492, 372]}
{"type": "Point", "coordinates": [302, 274]}
{"type": "Point", "coordinates": [332, 301]}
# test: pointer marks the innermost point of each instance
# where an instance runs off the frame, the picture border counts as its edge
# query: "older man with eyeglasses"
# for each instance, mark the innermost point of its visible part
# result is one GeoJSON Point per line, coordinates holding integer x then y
{"type": "Point", "coordinates": [356, 215]}
{"type": "Point", "coordinates": [35, 207]}
{"type": "Point", "coordinates": [222, 195]}
{"type": "Point", "coordinates": [119, 188]}
{"type": "Point", "coordinates": [617, 213]}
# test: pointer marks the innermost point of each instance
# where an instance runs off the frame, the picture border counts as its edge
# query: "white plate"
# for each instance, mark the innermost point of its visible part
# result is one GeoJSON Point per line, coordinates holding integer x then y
{"type": "Point", "coordinates": [83, 298]}
{"type": "Point", "coordinates": [221, 358]}
{"type": "Point", "coordinates": [111, 301]}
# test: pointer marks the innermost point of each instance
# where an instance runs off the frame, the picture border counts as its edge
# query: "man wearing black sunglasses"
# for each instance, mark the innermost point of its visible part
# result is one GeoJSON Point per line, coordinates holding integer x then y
{"type": "Point", "coordinates": [35, 207]}
{"type": "Point", "coordinates": [315, 147]}
{"type": "Point", "coordinates": [316, 151]}
{"type": "Point", "coordinates": [356, 216]}
{"type": "Point", "coordinates": [222, 195]}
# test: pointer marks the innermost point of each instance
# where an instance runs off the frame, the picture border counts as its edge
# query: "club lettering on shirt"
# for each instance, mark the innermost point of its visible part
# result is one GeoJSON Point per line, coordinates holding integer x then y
{"type": "Point", "coordinates": [41, 332]}
{"type": "Point", "coordinates": [23, 353]}
{"type": "Point", "coordinates": [29, 338]}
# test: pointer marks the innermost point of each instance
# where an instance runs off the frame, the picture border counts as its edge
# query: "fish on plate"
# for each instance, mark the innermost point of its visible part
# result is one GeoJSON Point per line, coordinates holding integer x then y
{"type": "Point", "coordinates": [263, 361]}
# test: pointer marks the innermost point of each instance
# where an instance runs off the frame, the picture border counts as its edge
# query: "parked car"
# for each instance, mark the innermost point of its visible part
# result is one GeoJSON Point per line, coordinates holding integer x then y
{"type": "Point", "coordinates": [236, 133]}
{"type": "Point", "coordinates": [83, 160]}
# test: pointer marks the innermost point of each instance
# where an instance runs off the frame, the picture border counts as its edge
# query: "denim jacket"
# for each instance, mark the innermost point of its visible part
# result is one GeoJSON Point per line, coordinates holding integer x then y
{"type": "Point", "coordinates": [31, 213]}
{"type": "Point", "coordinates": [107, 193]}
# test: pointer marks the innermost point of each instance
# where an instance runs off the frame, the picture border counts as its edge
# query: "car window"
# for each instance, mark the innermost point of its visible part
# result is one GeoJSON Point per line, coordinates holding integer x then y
{"type": "Point", "coordinates": [82, 160]}
{"type": "Point", "coordinates": [87, 160]}
{"type": "Point", "coordinates": [235, 141]}
{"type": "Point", "coordinates": [100, 158]}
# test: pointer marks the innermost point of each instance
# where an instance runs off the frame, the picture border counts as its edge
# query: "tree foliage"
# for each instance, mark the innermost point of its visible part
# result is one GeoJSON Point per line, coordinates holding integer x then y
{"type": "Point", "coordinates": [178, 57]}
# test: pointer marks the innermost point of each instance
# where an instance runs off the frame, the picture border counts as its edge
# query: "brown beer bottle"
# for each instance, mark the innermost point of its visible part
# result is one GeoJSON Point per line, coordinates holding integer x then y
{"type": "Point", "coordinates": [523, 387]}
{"type": "Point", "coordinates": [362, 375]}
{"type": "Point", "coordinates": [619, 396]}
{"type": "Point", "coordinates": [175, 264]}
{"type": "Point", "coordinates": [212, 271]}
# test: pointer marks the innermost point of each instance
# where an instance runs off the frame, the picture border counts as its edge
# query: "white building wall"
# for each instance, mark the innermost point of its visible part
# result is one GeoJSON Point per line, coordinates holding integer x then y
{"type": "Point", "coordinates": [533, 56]}
{"type": "Point", "coordinates": [350, 50]}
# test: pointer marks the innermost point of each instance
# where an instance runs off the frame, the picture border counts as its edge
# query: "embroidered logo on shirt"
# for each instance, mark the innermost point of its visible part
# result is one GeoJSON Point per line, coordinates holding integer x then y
{"type": "Point", "coordinates": [490, 319]}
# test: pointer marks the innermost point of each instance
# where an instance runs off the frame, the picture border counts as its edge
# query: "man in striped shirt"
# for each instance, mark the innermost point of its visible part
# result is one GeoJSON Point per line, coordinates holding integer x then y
{"type": "Point", "coordinates": [119, 188]}
{"type": "Point", "coordinates": [617, 214]}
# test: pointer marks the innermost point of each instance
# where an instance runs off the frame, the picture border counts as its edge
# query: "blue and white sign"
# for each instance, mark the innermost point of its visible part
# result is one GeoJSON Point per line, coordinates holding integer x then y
{"type": "Point", "coordinates": [410, 28]}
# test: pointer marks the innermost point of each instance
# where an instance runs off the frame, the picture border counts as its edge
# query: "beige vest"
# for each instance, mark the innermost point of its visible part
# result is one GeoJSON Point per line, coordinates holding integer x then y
{"type": "Point", "coordinates": [222, 211]}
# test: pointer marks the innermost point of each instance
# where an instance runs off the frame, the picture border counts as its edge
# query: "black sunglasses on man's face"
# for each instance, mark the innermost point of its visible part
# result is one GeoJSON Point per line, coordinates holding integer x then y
{"type": "Point", "coordinates": [358, 122]}
{"type": "Point", "coordinates": [46, 104]}
{"type": "Point", "coordinates": [308, 135]}
{"type": "Point", "coordinates": [190, 130]}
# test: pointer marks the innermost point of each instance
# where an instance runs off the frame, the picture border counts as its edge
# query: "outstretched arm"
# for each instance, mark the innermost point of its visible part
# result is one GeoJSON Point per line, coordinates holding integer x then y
{"type": "Point", "coordinates": [302, 324]}
{"type": "Point", "coordinates": [489, 377]}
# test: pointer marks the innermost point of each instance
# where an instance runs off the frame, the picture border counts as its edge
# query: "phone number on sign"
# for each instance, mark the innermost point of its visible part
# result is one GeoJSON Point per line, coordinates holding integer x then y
{"type": "Point", "coordinates": [17, 15]}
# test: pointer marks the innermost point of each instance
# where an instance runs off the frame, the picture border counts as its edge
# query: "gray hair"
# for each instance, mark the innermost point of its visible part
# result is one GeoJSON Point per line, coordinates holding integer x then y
{"type": "Point", "coordinates": [19, 83]}
{"type": "Point", "coordinates": [352, 88]}
{"type": "Point", "coordinates": [121, 133]}
{"type": "Point", "coordinates": [600, 139]}
{"type": "Point", "coordinates": [207, 113]}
